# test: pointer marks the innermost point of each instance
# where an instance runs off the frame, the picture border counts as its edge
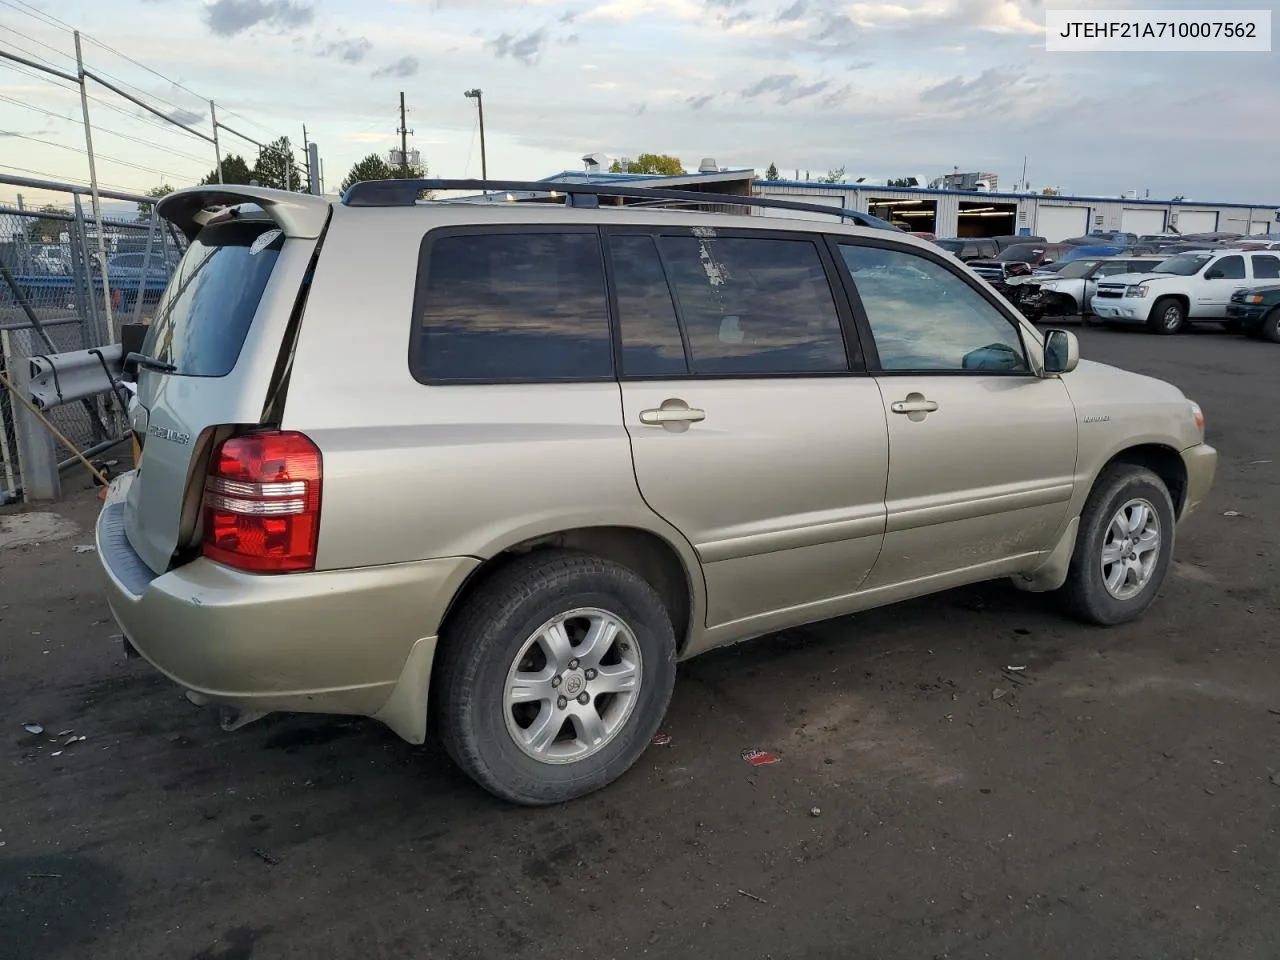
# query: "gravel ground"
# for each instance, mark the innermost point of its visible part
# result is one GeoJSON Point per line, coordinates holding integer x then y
{"type": "Point", "coordinates": [1117, 798]}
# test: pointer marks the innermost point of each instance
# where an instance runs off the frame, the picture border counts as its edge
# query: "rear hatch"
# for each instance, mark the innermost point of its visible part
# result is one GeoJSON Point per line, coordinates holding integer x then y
{"type": "Point", "coordinates": [216, 349]}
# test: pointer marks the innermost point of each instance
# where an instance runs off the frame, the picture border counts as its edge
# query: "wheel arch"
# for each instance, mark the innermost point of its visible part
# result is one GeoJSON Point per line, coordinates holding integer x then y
{"type": "Point", "coordinates": [672, 570]}
{"type": "Point", "coordinates": [1162, 460]}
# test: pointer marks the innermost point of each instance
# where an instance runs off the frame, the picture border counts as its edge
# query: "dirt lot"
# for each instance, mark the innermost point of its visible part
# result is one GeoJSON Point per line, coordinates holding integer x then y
{"type": "Point", "coordinates": [1115, 799]}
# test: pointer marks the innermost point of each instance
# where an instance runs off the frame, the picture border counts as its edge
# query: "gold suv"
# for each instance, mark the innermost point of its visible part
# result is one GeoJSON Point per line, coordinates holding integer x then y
{"type": "Point", "coordinates": [503, 464]}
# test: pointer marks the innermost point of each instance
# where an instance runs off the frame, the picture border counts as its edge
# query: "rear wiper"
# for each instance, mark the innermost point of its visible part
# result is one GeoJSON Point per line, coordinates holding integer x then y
{"type": "Point", "coordinates": [150, 363]}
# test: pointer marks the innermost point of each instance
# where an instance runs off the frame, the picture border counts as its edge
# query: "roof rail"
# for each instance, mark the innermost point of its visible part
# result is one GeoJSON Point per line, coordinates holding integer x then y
{"type": "Point", "coordinates": [405, 193]}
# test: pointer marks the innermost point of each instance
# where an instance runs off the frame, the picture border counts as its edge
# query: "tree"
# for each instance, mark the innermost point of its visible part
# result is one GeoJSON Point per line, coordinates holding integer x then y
{"type": "Point", "coordinates": [834, 176]}
{"type": "Point", "coordinates": [771, 173]}
{"type": "Point", "coordinates": [662, 163]}
{"type": "Point", "coordinates": [373, 167]}
{"type": "Point", "coordinates": [1049, 192]}
{"type": "Point", "coordinates": [905, 182]}
{"type": "Point", "coordinates": [144, 209]}
{"type": "Point", "coordinates": [44, 230]}
{"type": "Point", "coordinates": [277, 168]}
{"type": "Point", "coordinates": [234, 170]}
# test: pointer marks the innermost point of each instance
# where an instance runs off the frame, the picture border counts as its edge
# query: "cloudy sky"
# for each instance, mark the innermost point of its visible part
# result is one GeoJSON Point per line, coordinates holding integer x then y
{"type": "Point", "coordinates": [881, 87]}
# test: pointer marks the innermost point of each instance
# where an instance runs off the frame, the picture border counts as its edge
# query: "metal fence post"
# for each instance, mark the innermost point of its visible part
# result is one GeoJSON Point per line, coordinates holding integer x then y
{"type": "Point", "coordinates": [37, 455]}
{"type": "Point", "coordinates": [82, 270]}
{"type": "Point", "coordinates": [93, 191]}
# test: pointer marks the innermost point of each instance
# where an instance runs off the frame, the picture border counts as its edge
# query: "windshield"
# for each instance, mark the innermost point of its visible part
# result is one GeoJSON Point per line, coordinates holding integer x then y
{"type": "Point", "coordinates": [205, 313]}
{"type": "Point", "coordinates": [1025, 252]}
{"type": "Point", "coordinates": [1182, 265]}
{"type": "Point", "coordinates": [1076, 269]}
{"type": "Point", "coordinates": [952, 245]}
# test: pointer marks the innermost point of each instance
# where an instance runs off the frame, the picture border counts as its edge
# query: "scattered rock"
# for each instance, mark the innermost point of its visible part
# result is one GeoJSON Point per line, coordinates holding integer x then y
{"type": "Point", "coordinates": [815, 811]}
{"type": "Point", "coordinates": [999, 693]}
{"type": "Point", "coordinates": [33, 728]}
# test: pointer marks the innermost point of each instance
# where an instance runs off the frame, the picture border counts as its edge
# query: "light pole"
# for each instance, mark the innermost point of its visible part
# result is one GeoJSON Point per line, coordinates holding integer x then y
{"type": "Point", "coordinates": [478, 97]}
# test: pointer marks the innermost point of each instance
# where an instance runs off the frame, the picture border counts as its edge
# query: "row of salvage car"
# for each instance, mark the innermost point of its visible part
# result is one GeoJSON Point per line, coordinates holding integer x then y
{"type": "Point", "coordinates": [1236, 285]}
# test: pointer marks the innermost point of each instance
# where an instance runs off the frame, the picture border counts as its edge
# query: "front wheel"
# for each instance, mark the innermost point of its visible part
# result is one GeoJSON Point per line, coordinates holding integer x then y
{"type": "Point", "coordinates": [1167, 316]}
{"type": "Point", "coordinates": [1123, 549]}
{"type": "Point", "coordinates": [555, 676]}
{"type": "Point", "coordinates": [1270, 328]}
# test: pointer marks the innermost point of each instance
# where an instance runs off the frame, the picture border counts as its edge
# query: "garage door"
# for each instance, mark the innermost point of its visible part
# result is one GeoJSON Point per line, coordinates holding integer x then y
{"type": "Point", "coordinates": [1258, 226]}
{"type": "Point", "coordinates": [1142, 220]}
{"type": "Point", "coordinates": [827, 201]}
{"type": "Point", "coordinates": [1197, 221]}
{"type": "Point", "coordinates": [1235, 225]}
{"type": "Point", "coordinates": [1058, 223]}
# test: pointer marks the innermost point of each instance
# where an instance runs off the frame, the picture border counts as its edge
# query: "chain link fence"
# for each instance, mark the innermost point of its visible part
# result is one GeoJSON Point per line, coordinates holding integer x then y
{"type": "Point", "coordinates": [58, 294]}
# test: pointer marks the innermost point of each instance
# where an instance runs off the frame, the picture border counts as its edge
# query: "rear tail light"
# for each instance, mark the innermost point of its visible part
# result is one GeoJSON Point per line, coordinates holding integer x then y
{"type": "Point", "coordinates": [262, 503]}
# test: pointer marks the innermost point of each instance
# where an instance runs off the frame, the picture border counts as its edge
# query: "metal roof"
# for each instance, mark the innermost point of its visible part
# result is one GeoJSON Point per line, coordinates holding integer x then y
{"type": "Point", "coordinates": [1053, 198]}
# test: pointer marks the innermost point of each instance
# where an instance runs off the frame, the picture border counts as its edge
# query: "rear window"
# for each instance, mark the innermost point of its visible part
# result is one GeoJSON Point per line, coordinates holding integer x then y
{"type": "Point", "coordinates": [204, 315]}
{"type": "Point", "coordinates": [517, 306]}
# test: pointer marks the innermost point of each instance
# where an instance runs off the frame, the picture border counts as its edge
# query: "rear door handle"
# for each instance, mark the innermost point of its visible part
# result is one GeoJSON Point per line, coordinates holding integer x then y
{"type": "Point", "coordinates": [914, 404]}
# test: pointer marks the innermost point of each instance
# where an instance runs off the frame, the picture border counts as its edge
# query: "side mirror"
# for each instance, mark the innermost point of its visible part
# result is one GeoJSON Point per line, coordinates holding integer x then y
{"type": "Point", "coordinates": [1061, 351]}
{"type": "Point", "coordinates": [1214, 275]}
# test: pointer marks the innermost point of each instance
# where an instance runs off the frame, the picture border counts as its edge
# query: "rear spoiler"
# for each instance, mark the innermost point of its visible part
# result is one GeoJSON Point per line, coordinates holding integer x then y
{"type": "Point", "coordinates": [300, 215]}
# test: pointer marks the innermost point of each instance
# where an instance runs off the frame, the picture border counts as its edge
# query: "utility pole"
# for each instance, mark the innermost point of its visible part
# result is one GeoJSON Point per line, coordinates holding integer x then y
{"type": "Point", "coordinates": [404, 140]}
{"type": "Point", "coordinates": [217, 150]}
{"type": "Point", "coordinates": [478, 96]}
{"type": "Point", "coordinates": [1024, 174]}
{"type": "Point", "coordinates": [306, 152]}
{"type": "Point", "coordinates": [288, 164]}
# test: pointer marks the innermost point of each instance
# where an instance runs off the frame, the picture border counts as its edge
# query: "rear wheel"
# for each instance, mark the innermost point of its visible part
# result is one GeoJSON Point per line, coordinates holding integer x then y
{"type": "Point", "coordinates": [1123, 549]}
{"type": "Point", "coordinates": [555, 676]}
{"type": "Point", "coordinates": [1270, 328]}
{"type": "Point", "coordinates": [1167, 316]}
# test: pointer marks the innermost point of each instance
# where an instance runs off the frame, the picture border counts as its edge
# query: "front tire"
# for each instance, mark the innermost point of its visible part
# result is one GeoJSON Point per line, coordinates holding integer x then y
{"type": "Point", "coordinates": [1270, 329]}
{"type": "Point", "coordinates": [1167, 316]}
{"type": "Point", "coordinates": [1124, 547]}
{"type": "Point", "coordinates": [555, 676]}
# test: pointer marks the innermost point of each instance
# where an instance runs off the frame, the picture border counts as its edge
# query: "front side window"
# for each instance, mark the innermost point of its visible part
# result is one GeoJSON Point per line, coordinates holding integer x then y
{"type": "Point", "coordinates": [923, 317]}
{"type": "Point", "coordinates": [1229, 268]}
{"type": "Point", "coordinates": [754, 305]}
{"type": "Point", "coordinates": [507, 307]}
{"type": "Point", "coordinates": [1266, 267]}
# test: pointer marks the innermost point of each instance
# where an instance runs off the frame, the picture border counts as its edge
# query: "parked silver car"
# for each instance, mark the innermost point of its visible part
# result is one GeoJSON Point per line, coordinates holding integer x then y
{"type": "Point", "coordinates": [509, 462]}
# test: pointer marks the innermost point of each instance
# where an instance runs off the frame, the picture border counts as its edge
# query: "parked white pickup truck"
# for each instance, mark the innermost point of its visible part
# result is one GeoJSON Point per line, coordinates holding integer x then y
{"type": "Point", "coordinates": [1191, 286]}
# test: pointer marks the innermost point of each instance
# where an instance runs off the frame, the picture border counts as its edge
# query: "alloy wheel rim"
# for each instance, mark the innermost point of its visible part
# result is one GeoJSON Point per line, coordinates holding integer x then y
{"type": "Point", "coordinates": [1172, 318]}
{"type": "Point", "coordinates": [572, 686]}
{"type": "Point", "coordinates": [1131, 549]}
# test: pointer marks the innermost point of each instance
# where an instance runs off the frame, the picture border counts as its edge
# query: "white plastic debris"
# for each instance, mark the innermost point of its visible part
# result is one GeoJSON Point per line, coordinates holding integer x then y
{"type": "Point", "coordinates": [85, 548]}
{"type": "Point", "coordinates": [1231, 513]}
{"type": "Point", "coordinates": [33, 728]}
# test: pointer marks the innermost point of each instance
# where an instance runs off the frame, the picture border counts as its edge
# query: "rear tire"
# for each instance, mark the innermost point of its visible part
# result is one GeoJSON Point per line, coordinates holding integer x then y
{"type": "Point", "coordinates": [1270, 329]}
{"type": "Point", "coordinates": [1112, 578]}
{"type": "Point", "coordinates": [1167, 316]}
{"type": "Point", "coordinates": [518, 664]}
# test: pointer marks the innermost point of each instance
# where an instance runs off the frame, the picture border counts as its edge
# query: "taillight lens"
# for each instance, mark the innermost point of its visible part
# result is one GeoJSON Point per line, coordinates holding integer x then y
{"type": "Point", "coordinates": [262, 503]}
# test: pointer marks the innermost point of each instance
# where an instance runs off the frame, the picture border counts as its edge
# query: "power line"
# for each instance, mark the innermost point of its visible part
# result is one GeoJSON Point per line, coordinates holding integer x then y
{"type": "Point", "coordinates": [36, 75]}
{"type": "Point", "coordinates": [45, 174]}
{"type": "Point", "coordinates": [39, 14]}
{"type": "Point", "coordinates": [99, 127]}
{"type": "Point", "coordinates": [100, 156]}
{"type": "Point", "coordinates": [65, 56]}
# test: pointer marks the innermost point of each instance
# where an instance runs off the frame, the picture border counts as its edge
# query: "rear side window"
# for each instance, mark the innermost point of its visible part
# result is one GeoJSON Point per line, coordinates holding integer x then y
{"type": "Point", "coordinates": [204, 315]}
{"type": "Point", "coordinates": [650, 331]}
{"type": "Point", "coordinates": [754, 305]}
{"type": "Point", "coordinates": [519, 306]}
{"type": "Point", "coordinates": [1266, 267]}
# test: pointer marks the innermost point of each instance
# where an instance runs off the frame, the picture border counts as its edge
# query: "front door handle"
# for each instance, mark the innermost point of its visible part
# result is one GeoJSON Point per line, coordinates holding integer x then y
{"type": "Point", "coordinates": [913, 405]}
{"type": "Point", "coordinates": [674, 414]}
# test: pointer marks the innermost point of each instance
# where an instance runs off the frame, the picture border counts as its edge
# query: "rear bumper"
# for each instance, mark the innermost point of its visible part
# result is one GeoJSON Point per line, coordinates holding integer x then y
{"type": "Point", "coordinates": [357, 641]}
{"type": "Point", "coordinates": [1202, 465]}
